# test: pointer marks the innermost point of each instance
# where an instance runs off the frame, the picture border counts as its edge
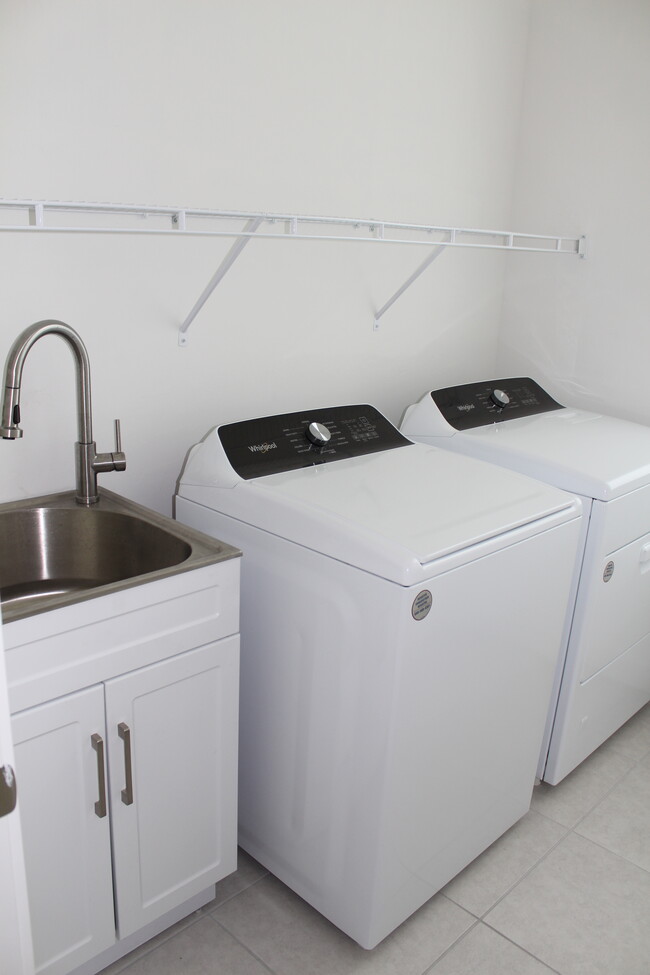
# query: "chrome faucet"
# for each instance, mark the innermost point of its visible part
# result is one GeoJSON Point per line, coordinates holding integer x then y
{"type": "Point", "coordinates": [88, 462]}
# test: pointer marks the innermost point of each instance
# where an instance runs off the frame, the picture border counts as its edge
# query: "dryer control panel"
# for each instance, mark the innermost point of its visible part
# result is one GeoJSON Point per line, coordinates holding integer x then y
{"type": "Point", "coordinates": [478, 404]}
{"type": "Point", "coordinates": [272, 444]}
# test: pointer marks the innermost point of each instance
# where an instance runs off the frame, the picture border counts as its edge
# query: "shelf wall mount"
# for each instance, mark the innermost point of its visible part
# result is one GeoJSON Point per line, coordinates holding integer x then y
{"type": "Point", "coordinates": [32, 216]}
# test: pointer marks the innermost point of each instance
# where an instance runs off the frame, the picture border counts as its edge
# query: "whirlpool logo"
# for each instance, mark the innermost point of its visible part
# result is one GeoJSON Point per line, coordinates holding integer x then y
{"type": "Point", "coordinates": [262, 448]}
{"type": "Point", "coordinates": [465, 408]}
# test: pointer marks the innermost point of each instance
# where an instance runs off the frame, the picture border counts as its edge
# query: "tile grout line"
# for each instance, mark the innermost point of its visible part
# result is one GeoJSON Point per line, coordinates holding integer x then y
{"type": "Point", "coordinates": [613, 853]}
{"type": "Point", "coordinates": [210, 910]}
{"type": "Point", "coordinates": [241, 943]}
{"type": "Point", "coordinates": [477, 921]}
{"type": "Point", "coordinates": [551, 849]}
{"type": "Point", "coordinates": [550, 968]}
{"type": "Point", "coordinates": [168, 935]}
{"type": "Point", "coordinates": [607, 794]}
{"type": "Point", "coordinates": [431, 970]}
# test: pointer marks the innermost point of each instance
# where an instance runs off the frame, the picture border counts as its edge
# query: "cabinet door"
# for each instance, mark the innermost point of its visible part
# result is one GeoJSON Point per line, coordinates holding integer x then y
{"type": "Point", "coordinates": [66, 833]}
{"type": "Point", "coordinates": [172, 739]}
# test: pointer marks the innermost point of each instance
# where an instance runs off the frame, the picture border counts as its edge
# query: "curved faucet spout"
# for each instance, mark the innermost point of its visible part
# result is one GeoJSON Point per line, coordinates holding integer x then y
{"type": "Point", "coordinates": [10, 429]}
{"type": "Point", "coordinates": [88, 462]}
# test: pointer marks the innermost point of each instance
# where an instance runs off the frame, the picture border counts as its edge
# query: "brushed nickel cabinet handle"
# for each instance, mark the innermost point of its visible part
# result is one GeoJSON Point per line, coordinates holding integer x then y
{"type": "Point", "coordinates": [98, 744]}
{"type": "Point", "coordinates": [7, 790]}
{"type": "Point", "coordinates": [124, 732]}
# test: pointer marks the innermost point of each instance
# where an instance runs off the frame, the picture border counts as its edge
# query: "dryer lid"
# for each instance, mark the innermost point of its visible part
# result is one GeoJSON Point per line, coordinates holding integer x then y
{"type": "Point", "coordinates": [516, 423]}
{"type": "Point", "coordinates": [596, 456]}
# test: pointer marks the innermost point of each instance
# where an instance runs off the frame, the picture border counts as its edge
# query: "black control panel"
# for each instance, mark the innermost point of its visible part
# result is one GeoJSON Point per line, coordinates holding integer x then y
{"type": "Point", "coordinates": [272, 444]}
{"type": "Point", "coordinates": [479, 404]}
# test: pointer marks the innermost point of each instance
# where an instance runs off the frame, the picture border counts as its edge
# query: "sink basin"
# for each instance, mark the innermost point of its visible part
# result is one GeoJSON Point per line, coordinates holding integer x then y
{"type": "Point", "coordinates": [54, 552]}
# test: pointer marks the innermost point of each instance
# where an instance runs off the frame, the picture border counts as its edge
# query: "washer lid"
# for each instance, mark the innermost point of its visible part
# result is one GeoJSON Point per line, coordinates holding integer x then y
{"type": "Point", "coordinates": [395, 513]}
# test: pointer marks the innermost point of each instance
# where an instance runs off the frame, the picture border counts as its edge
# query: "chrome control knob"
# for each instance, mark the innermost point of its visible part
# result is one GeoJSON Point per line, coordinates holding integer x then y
{"type": "Point", "coordinates": [318, 434]}
{"type": "Point", "coordinates": [499, 398]}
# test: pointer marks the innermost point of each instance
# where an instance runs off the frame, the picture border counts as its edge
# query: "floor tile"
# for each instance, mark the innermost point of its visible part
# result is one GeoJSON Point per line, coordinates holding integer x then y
{"type": "Point", "coordinates": [203, 948]}
{"type": "Point", "coordinates": [248, 872]}
{"type": "Point", "coordinates": [633, 739]}
{"type": "Point", "coordinates": [293, 939]}
{"type": "Point", "coordinates": [490, 876]}
{"type": "Point", "coordinates": [484, 952]}
{"type": "Point", "coordinates": [123, 964]}
{"type": "Point", "coordinates": [621, 822]}
{"type": "Point", "coordinates": [582, 790]}
{"type": "Point", "coordinates": [582, 911]}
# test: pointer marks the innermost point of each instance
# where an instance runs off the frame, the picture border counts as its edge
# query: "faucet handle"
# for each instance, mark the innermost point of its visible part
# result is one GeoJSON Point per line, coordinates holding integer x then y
{"type": "Point", "coordinates": [119, 458]}
{"type": "Point", "coordinates": [115, 461]}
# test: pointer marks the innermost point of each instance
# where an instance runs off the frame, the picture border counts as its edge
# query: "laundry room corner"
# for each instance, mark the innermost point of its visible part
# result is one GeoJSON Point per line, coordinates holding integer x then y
{"type": "Point", "coordinates": [582, 162]}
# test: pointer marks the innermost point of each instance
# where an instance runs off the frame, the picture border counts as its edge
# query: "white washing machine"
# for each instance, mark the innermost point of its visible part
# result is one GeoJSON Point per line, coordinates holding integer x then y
{"type": "Point", "coordinates": [604, 676]}
{"type": "Point", "coordinates": [392, 700]}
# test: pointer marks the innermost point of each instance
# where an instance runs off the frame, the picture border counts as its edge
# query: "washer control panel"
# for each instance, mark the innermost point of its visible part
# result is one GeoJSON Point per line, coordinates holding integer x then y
{"type": "Point", "coordinates": [288, 441]}
{"type": "Point", "coordinates": [479, 404]}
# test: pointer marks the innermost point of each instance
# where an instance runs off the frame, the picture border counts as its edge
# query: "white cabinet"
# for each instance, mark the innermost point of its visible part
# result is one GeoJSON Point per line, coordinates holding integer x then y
{"type": "Point", "coordinates": [162, 742]}
{"type": "Point", "coordinates": [174, 812]}
{"type": "Point", "coordinates": [67, 847]}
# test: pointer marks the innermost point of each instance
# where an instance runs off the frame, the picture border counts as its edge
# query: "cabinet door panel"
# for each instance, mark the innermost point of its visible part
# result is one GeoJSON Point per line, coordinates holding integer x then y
{"type": "Point", "coordinates": [178, 835]}
{"type": "Point", "coordinates": [67, 846]}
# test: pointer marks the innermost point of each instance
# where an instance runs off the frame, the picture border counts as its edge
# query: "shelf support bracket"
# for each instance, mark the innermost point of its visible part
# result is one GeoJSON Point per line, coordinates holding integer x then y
{"type": "Point", "coordinates": [228, 261]}
{"type": "Point", "coordinates": [437, 251]}
{"type": "Point", "coordinates": [36, 216]}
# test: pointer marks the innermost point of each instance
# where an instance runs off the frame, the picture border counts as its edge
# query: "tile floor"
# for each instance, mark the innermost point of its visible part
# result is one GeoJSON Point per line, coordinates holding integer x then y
{"type": "Point", "coordinates": [566, 890]}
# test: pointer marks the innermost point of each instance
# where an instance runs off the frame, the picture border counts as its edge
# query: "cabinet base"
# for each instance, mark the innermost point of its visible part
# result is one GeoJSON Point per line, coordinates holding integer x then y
{"type": "Point", "coordinates": [123, 947]}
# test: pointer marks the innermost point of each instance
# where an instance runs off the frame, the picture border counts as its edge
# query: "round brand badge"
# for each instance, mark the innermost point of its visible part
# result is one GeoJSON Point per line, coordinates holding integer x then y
{"type": "Point", "coordinates": [421, 605]}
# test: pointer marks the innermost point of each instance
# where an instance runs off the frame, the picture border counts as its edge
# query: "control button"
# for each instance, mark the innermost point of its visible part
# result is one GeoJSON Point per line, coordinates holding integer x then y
{"type": "Point", "coordinates": [499, 398]}
{"type": "Point", "coordinates": [318, 434]}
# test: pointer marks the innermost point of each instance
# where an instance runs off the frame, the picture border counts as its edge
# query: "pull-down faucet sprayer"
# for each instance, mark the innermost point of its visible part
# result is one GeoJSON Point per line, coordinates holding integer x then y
{"type": "Point", "coordinates": [88, 462]}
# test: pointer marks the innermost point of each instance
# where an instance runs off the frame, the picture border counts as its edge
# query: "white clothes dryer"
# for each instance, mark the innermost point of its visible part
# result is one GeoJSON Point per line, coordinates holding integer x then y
{"type": "Point", "coordinates": [392, 702]}
{"type": "Point", "coordinates": [604, 676]}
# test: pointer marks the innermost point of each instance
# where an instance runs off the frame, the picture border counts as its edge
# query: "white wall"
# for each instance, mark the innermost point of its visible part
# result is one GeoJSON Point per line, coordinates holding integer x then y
{"type": "Point", "coordinates": [583, 167]}
{"type": "Point", "coordinates": [404, 111]}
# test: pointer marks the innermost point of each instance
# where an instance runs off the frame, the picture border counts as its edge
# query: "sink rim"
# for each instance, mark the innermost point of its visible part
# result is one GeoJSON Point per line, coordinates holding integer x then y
{"type": "Point", "coordinates": [204, 550]}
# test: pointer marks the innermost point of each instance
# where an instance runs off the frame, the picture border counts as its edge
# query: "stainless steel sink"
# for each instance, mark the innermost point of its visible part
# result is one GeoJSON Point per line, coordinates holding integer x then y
{"type": "Point", "coordinates": [53, 552]}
